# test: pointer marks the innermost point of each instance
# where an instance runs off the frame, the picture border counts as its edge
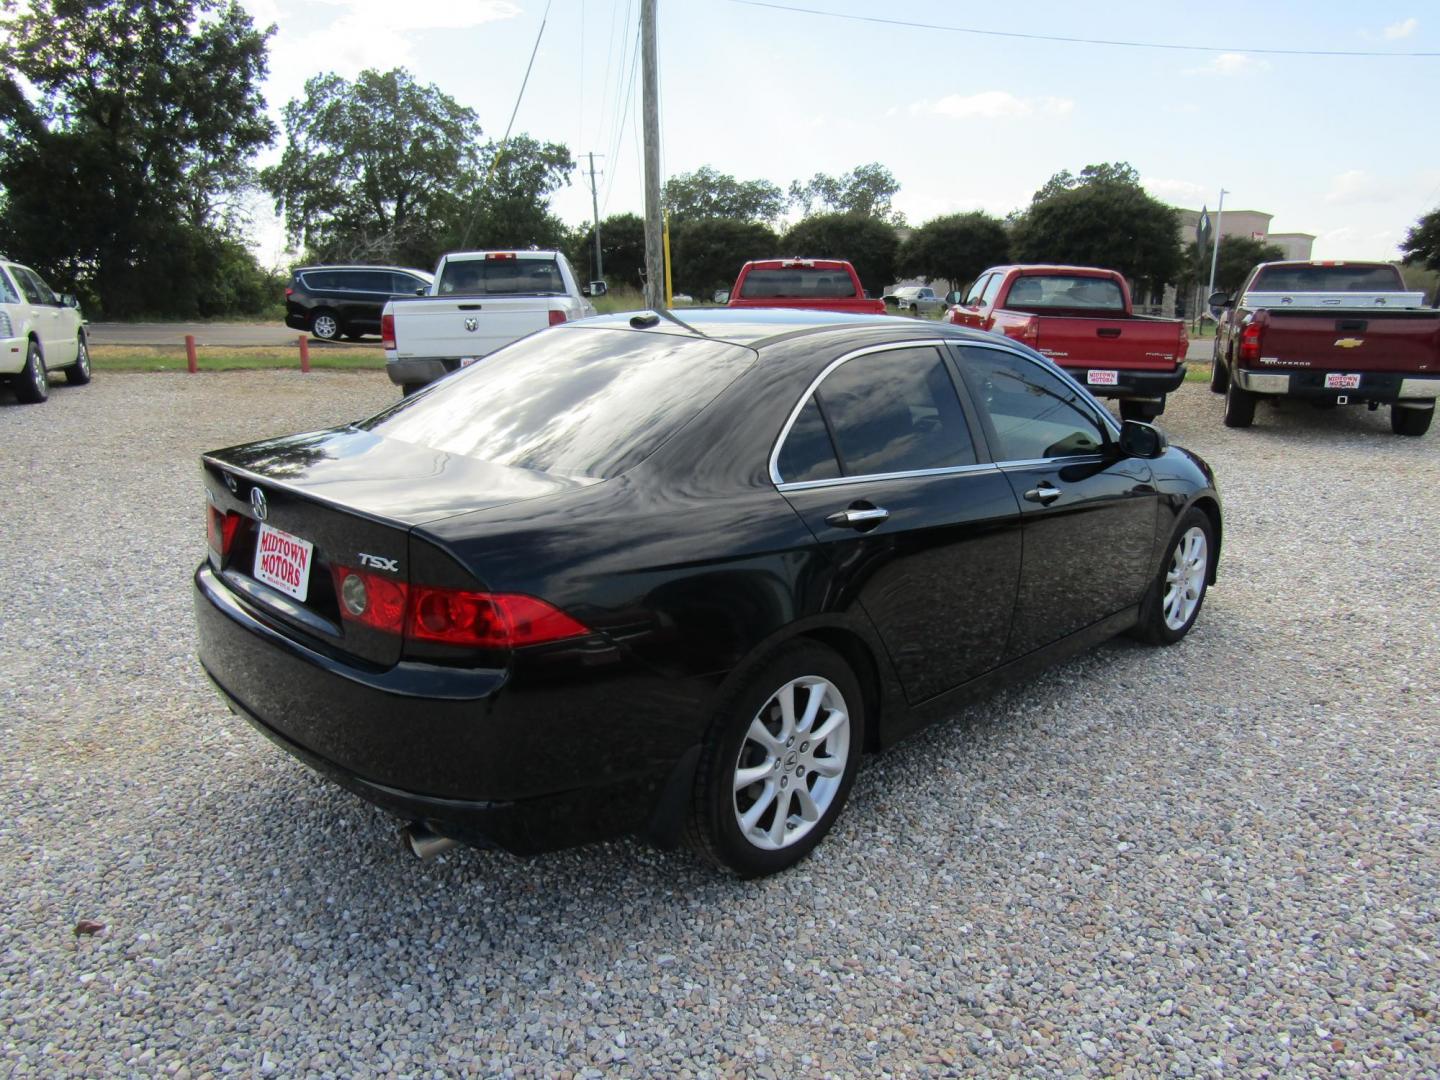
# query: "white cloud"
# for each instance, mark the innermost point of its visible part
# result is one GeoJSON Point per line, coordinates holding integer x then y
{"type": "Point", "coordinates": [1356, 186]}
{"type": "Point", "coordinates": [1177, 192]}
{"type": "Point", "coordinates": [1402, 29]}
{"type": "Point", "coordinates": [992, 105]}
{"type": "Point", "coordinates": [386, 16]}
{"type": "Point", "coordinates": [1229, 64]}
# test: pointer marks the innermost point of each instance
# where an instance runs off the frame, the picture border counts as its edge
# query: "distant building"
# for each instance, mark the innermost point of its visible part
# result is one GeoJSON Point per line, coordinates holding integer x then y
{"type": "Point", "coordinates": [1254, 224]}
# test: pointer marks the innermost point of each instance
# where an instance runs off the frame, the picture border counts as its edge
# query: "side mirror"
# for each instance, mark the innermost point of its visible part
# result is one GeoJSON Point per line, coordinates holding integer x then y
{"type": "Point", "coordinates": [595, 288]}
{"type": "Point", "coordinates": [1139, 440]}
{"type": "Point", "coordinates": [68, 300]}
{"type": "Point", "coordinates": [1219, 300]}
{"type": "Point", "coordinates": [721, 296]}
{"type": "Point", "coordinates": [422, 292]}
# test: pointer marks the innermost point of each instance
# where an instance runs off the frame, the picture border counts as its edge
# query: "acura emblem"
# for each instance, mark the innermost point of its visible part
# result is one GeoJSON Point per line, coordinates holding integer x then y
{"type": "Point", "coordinates": [257, 503]}
{"type": "Point", "coordinates": [472, 324]}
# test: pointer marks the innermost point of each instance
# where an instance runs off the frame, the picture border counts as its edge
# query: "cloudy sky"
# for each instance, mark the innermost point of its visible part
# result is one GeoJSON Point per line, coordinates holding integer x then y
{"type": "Point", "coordinates": [1339, 146]}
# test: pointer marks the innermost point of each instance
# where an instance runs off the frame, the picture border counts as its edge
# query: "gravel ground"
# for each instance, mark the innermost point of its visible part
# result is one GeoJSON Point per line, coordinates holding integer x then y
{"type": "Point", "coordinates": [1222, 858]}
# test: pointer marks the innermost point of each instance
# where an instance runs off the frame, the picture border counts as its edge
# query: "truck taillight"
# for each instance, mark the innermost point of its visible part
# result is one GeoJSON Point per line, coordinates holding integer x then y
{"type": "Point", "coordinates": [1250, 342]}
{"type": "Point", "coordinates": [556, 318]}
{"type": "Point", "coordinates": [450, 616]}
{"type": "Point", "coordinates": [500, 255]}
{"type": "Point", "coordinates": [387, 331]}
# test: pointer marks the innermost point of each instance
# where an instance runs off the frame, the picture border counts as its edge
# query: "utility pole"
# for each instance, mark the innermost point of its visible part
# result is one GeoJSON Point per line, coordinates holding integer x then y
{"type": "Point", "coordinates": [1215, 255]}
{"type": "Point", "coordinates": [595, 208]}
{"type": "Point", "coordinates": [654, 261]}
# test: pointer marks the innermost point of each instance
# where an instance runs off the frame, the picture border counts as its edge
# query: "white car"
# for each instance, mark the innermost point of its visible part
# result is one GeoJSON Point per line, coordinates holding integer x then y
{"type": "Point", "coordinates": [39, 333]}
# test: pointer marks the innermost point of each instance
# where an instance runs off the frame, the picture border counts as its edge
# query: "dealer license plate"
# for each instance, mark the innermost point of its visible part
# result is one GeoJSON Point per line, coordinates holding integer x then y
{"type": "Point", "coordinates": [1342, 382]}
{"type": "Point", "coordinates": [283, 561]}
{"type": "Point", "coordinates": [1102, 378]}
{"type": "Point", "coordinates": [466, 361]}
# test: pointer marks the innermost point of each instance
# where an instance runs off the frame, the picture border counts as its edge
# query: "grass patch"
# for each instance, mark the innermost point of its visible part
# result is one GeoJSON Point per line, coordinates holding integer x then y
{"type": "Point", "coordinates": [230, 358]}
{"type": "Point", "coordinates": [1198, 371]}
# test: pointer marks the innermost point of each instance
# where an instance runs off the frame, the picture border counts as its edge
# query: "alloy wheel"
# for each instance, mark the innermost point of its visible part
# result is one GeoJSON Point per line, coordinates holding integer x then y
{"type": "Point", "coordinates": [325, 327]}
{"type": "Point", "coordinates": [39, 377]}
{"type": "Point", "coordinates": [791, 762]}
{"type": "Point", "coordinates": [1185, 578]}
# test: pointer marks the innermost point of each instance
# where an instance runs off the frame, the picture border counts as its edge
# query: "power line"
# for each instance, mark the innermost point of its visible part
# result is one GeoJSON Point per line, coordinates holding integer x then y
{"type": "Point", "coordinates": [624, 116]}
{"type": "Point", "coordinates": [1070, 40]}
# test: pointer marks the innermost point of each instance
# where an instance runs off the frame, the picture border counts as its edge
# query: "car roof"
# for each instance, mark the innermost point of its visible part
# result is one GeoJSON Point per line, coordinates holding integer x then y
{"type": "Point", "coordinates": [756, 328]}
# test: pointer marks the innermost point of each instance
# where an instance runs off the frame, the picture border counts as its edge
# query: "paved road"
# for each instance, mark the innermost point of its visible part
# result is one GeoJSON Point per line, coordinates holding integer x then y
{"type": "Point", "coordinates": [173, 333]}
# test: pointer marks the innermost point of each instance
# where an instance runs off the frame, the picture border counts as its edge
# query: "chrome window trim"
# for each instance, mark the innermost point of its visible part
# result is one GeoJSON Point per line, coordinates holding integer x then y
{"type": "Point", "coordinates": [842, 481]}
{"type": "Point", "coordinates": [775, 477]}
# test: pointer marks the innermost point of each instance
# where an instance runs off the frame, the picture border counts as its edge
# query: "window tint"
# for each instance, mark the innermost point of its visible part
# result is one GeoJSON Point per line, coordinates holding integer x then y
{"type": "Point", "coordinates": [8, 292]}
{"type": "Point", "coordinates": [1035, 291]}
{"type": "Point", "coordinates": [1035, 413]}
{"type": "Point", "coordinates": [800, 281]}
{"type": "Point", "coordinates": [405, 284]}
{"type": "Point", "coordinates": [579, 403]}
{"type": "Point", "coordinates": [808, 453]}
{"type": "Point", "coordinates": [372, 281]}
{"type": "Point", "coordinates": [323, 279]}
{"type": "Point", "coordinates": [501, 277]}
{"type": "Point", "coordinates": [35, 290]}
{"type": "Point", "coordinates": [991, 288]}
{"type": "Point", "coordinates": [1341, 278]}
{"type": "Point", "coordinates": [895, 411]}
{"type": "Point", "coordinates": [978, 289]}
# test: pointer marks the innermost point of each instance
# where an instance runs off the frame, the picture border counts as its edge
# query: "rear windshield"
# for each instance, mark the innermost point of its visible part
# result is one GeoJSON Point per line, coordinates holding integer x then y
{"type": "Point", "coordinates": [799, 281]}
{"type": "Point", "coordinates": [1066, 291]}
{"type": "Point", "coordinates": [1328, 279]}
{"type": "Point", "coordinates": [501, 277]}
{"type": "Point", "coordinates": [572, 402]}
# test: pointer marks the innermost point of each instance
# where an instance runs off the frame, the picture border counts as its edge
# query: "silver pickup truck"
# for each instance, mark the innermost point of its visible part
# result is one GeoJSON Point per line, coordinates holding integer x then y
{"type": "Point", "coordinates": [479, 302]}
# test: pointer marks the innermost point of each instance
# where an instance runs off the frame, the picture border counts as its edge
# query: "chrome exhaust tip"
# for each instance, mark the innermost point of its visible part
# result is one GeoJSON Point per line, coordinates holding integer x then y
{"type": "Point", "coordinates": [424, 842]}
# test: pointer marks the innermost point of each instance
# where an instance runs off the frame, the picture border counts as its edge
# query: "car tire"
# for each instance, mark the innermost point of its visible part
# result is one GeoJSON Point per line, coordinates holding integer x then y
{"type": "Point", "coordinates": [739, 826]}
{"type": "Point", "coordinates": [32, 385]}
{"type": "Point", "coordinates": [915, 310]}
{"type": "Point", "coordinates": [325, 325]}
{"type": "Point", "coordinates": [78, 373]}
{"type": "Point", "coordinates": [1239, 406]}
{"type": "Point", "coordinates": [1410, 421]}
{"type": "Point", "coordinates": [1219, 376]}
{"type": "Point", "coordinates": [1173, 601]}
{"type": "Point", "coordinates": [406, 389]}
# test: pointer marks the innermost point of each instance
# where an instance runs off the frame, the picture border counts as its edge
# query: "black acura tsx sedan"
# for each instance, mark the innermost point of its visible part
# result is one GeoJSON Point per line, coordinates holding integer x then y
{"type": "Point", "coordinates": [639, 575]}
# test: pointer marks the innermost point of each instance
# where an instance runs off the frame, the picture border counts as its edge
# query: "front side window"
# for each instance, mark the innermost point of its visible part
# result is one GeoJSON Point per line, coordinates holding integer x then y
{"type": "Point", "coordinates": [890, 411]}
{"type": "Point", "coordinates": [406, 285]}
{"type": "Point", "coordinates": [992, 287]}
{"type": "Point", "coordinates": [371, 281]}
{"type": "Point", "coordinates": [1035, 414]}
{"type": "Point", "coordinates": [977, 290]}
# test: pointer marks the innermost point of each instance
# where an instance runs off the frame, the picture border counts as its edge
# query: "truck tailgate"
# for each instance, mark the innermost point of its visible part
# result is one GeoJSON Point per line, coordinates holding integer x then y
{"type": "Point", "coordinates": [469, 326]}
{"type": "Point", "coordinates": [1136, 343]}
{"type": "Point", "coordinates": [1396, 341]}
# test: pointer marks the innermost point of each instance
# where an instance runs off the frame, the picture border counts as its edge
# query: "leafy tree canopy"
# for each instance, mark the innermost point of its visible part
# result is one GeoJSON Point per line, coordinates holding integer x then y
{"type": "Point", "coordinates": [1102, 218]}
{"type": "Point", "coordinates": [869, 243]}
{"type": "Point", "coordinates": [622, 241]}
{"type": "Point", "coordinates": [706, 255]}
{"type": "Point", "coordinates": [1238, 256]}
{"type": "Point", "coordinates": [956, 248]}
{"type": "Point", "coordinates": [707, 193]}
{"type": "Point", "coordinates": [1422, 242]}
{"type": "Point", "coordinates": [865, 190]}
{"type": "Point", "coordinates": [510, 203]}
{"type": "Point", "coordinates": [134, 151]}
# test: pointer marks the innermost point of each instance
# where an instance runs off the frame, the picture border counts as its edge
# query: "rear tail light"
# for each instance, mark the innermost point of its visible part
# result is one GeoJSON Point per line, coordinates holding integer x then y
{"type": "Point", "coordinates": [1250, 338]}
{"type": "Point", "coordinates": [289, 292]}
{"type": "Point", "coordinates": [451, 616]}
{"type": "Point", "coordinates": [556, 318]}
{"type": "Point", "coordinates": [220, 526]}
{"type": "Point", "coordinates": [387, 331]}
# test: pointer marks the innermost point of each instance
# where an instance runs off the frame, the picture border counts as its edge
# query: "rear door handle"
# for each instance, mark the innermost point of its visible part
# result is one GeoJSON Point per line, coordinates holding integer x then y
{"type": "Point", "coordinates": [1044, 494]}
{"type": "Point", "coordinates": [854, 519]}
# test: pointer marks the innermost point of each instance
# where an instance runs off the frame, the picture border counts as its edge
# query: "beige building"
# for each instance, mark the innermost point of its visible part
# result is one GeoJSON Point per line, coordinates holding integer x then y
{"type": "Point", "coordinates": [1254, 224]}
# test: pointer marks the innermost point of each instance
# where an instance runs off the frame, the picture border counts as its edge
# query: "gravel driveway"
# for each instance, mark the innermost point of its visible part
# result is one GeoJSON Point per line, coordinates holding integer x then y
{"type": "Point", "coordinates": [1218, 858]}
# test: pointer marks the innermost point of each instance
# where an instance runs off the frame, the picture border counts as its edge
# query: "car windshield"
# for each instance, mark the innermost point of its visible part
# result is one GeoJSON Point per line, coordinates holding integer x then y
{"type": "Point", "coordinates": [1339, 278]}
{"type": "Point", "coordinates": [572, 402]}
{"type": "Point", "coordinates": [1066, 291]}
{"type": "Point", "coordinates": [501, 277]}
{"type": "Point", "coordinates": [797, 282]}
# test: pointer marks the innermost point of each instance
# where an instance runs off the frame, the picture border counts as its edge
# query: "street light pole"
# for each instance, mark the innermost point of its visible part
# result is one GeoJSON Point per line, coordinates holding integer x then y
{"type": "Point", "coordinates": [654, 257]}
{"type": "Point", "coordinates": [1215, 255]}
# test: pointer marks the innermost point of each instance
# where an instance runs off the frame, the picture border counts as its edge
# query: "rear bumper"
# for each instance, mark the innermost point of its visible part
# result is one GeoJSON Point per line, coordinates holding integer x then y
{"type": "Point", "coordinates": [1132, 384]}
{"type": "Point", "coordinates": [418, 371]}
{"type": "Point", "coordinates": [13, 353]}
{"type": "Point", "coordinates": [471, 751]}
{"type": "Point", "coordinates": [1383, 387]}
{"type": "Point", "coordinates": [297, 320]}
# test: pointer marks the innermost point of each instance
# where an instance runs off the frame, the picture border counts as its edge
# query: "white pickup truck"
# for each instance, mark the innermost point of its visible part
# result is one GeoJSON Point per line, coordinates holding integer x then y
{"type": "Point", "coordinates": [479, 302]}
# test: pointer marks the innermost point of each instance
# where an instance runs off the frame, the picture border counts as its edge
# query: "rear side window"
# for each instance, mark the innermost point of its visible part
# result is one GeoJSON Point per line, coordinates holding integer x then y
{"type": "Point", "coordinates": [578, 403]}
{"type": "Point", "coordinates": [8, 292]}
{"type": "Point", "coordinates": [376, 281]}
{"type": "Point", "coordinates": [797, 282]}
{"type": "Point", "coordinates": [323, 279]}
{"type": "Point", "coordinates": [808, 453]}
{"type": "Point", "coordinates": [501, 277]}
{"type": "Point", "coordinates": [1066, 291]}
{"type": "Point", "coordinates": [1035, 414]}
{"type": "Point", "coordinates": [1328, 279]}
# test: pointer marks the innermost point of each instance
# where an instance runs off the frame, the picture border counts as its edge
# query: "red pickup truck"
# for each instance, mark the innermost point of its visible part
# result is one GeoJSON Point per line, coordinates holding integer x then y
{"type": "Point", "coordinates": [821, 284]}
{"type": "Point", "coordinates": [1333, 333]}
{"type": "Point", "coordinates": [1082, 318]}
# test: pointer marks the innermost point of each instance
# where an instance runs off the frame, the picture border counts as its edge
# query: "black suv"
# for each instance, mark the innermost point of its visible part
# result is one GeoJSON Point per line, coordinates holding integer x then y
{"type": "Point", "coordinates": [345, 301]}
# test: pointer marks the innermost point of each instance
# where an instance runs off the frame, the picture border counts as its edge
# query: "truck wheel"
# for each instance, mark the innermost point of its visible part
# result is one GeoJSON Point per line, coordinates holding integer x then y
{"type": "Point", "coordinates": [1219, 376]}
{"type": "Point", "coordinates": [1405, 421]}
{"type": "Point", "coordinates": [1239, 406]}
{"type": "Point", "coordinates": [32, 385]}
{"type": "Point", "coordinates": [325, 325]}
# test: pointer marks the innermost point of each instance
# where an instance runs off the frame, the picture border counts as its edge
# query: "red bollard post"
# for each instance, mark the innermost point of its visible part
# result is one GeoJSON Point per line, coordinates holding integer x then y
{"type": "Point", "coordinates": [304, 354]}
{"type": "Point", "coordinates": [190, 360]}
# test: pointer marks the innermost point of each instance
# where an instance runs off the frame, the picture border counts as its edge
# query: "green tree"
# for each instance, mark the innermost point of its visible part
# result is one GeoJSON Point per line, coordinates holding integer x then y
{"type": "Point", "coordinates": [865, 190]}
{"type": "Point", "coordinates": [510, 202]}
{"type": "Point", "coordinates": [1238, 256]}
{"type": "Point", "coordinates": [869, 243]}
{"type": "Point", "coordinates": [129, 157]}
{"type": "Point", "coordinates": [622, 241]}
{"type": "Point", "coordinates": [1102, 218]}
{"type": "Point", "coordinates": [371, 169]}
{"type": "Point", "coordinates": [707, 193]}
{"type": "Point", "coordinates": [706, 255]}
{"type": "Point", "coordinates": [956, 248]}
{"type": "Point", "coordinates": [1422, 242]}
